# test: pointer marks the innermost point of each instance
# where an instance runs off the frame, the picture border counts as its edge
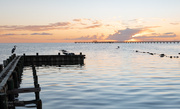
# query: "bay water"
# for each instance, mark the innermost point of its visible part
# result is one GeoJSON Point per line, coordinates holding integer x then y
{"type": "Point", "coordinates": [128, 77]}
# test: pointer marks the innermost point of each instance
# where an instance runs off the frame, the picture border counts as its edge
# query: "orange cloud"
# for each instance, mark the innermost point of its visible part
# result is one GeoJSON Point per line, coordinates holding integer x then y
{"type": "Point", "coordinates": [174, 23]}
{"type": "Point", "coordinates": [94, 37]}
{"type": "Point", "coordinates": [58, 25]}
{"type": "Point", "coordinates": [80, 24]}
{"type": "Point", "coordinates": [93, 26]}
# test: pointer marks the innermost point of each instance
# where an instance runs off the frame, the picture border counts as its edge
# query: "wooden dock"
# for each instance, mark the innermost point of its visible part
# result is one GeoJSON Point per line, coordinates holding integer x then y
{"type": "Point", "coordinates": [11, 72]}
{"type": "Point", "coordinates": [59, 59]}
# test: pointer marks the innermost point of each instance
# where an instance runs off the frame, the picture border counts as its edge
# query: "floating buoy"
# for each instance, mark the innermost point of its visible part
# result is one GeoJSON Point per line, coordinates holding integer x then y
{"type": "Point", "coordinates": [117, 47]}
{"type": "Point", "coordinates": [151, 53]}
{"type": "Point", "coordinates": [162, 55]}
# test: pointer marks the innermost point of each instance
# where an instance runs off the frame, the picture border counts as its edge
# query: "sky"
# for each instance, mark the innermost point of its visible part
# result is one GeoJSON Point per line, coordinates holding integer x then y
{"type": "Point", "coordinates": [40, 21]}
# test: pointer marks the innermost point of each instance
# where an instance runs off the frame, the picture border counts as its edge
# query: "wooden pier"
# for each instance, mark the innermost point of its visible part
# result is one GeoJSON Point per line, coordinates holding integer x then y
{"type": "Point", "coordinates": [11, 72]}
{"type": "Point", "coordinates": [110, 42]}
{"type": "Point", "coordinates": [59, 59]}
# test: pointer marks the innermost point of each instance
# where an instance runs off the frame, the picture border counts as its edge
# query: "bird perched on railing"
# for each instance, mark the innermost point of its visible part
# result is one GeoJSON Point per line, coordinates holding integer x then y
{"type": "Point", "coordinates": [66, 52]}
{"type": "Point", "coordinates": [13, 50]}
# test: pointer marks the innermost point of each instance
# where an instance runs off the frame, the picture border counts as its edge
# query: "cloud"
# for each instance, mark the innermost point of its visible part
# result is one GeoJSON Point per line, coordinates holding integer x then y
{"type": "Point", "coordinates": [77, 20]}
{"type": "Point", "coordinates": [123, 35]}
{"type": "Point", "coordinates": [77, 24]}
{"type": "Point", "coordinates": [174, 23]}
{"type": "Point", "coordinates": [127, 34]}
{"type": "Point", "coordinates": [58, 25]}
{"type": "Point", "coordinates": [94, 37]}
{"type": "Point", "coordinates": [8, 34]}
{"type": "Point", "coordinates": [93, 26]}
{"type": "Point", "coordinates": [87, 23]}
{"type": "Point", "coordinates": [13, 34]}
{"type": "Point", "coordinates": [157, 35]}
{"type": "Point", "coordinates": [140, 20]}
{"type": "Point", "coordinates": [41, 34]}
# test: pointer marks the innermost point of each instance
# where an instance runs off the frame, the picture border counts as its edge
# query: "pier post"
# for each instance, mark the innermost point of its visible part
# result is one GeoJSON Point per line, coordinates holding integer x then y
{"type": "Point", "coordinates": [10, 87]}
{"type": "Point", "coordinates": [81, 59]}
{"type": "Point", "coordinates": [39, 104]}
{"type": "Point", "coordinates": [36, 85]}
{"type": "Point", "coordinates": [4, 63]}
{"type": "Point", "coordinates": [1, 68]}
{"type": "Point", "coordinates": [37, 59]}
{"type": "Point", "coordinates": [3, 101]}
{"type": "Point", "coordinates": [15, 78]}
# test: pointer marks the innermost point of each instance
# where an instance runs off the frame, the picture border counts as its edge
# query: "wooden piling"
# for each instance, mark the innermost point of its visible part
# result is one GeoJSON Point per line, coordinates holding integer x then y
{"type": "Point", "coordinates": [15, 78]}
{"type": "Point", "coordinates": [36, 85]}
{"type": "Point", "coordinates": [1, 68]}
{"type": "Point", "coordinates": [39, 104]}
{"type": "Point", "coordinates": [10, 83]}
{"type": "Point", "coordinates": [3, 101]}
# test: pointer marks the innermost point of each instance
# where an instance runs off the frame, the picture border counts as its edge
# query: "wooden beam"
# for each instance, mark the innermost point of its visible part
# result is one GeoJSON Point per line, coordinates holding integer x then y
{"type": "Point", "coordinates": [9, 69]}
{"type": "Point", "coordinates": [24, 90]}
{"type": "Point", "coordinates": [23, 103]}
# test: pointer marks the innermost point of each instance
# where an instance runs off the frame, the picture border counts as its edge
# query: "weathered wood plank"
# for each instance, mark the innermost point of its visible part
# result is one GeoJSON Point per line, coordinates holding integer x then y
{"type": "Point", "coordinates": [22, 103]}
{"type": "Point", "coordinates": [23, 90]}
{"type": "Point", "coordinates": [9, 69]}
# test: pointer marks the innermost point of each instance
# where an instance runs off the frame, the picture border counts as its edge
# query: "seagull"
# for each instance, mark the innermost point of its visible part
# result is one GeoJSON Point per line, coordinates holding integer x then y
{"type": "Point", "coordinates": [66, 52]}
{"type": "Point", "coordinates": [63, 50]}
{"type": "Point", "coordinates": [13, 50]}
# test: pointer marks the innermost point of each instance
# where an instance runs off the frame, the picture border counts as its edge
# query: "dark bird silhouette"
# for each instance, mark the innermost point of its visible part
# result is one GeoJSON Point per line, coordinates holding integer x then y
{"type": "Point", "coordinates": [13, 50]}
{"type": "Point", "coordinates": [66, 52]}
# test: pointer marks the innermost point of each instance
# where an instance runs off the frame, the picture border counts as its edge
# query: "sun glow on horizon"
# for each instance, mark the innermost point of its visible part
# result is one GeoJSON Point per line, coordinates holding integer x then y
{"type": "Point", "coordinates": [132, 40]}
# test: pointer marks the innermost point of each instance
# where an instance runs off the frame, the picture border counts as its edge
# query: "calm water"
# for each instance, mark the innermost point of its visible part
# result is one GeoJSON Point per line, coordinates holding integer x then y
{"type": "Point", "coordinates": [110, 79]}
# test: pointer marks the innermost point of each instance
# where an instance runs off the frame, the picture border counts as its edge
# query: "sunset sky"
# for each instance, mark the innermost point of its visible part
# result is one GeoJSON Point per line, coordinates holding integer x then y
{"type": "Point", "coordinates": [29, 21]}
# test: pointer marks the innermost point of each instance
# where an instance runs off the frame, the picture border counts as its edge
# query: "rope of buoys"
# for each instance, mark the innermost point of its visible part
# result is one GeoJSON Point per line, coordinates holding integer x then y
{"type": "Point", "coordinates": [160, 55]}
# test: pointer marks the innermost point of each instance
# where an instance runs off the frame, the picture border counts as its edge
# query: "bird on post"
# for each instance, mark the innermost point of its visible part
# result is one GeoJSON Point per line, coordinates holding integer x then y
{"type": "Point", "coordinates": [13, 50]}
